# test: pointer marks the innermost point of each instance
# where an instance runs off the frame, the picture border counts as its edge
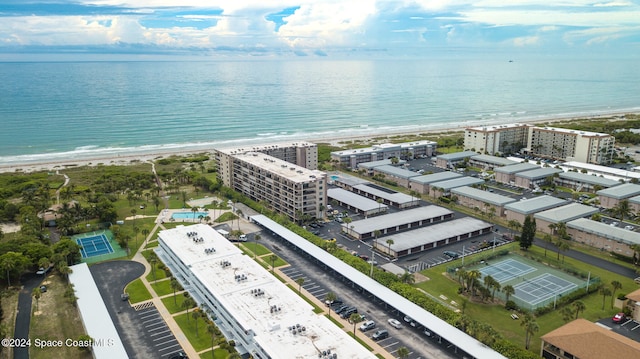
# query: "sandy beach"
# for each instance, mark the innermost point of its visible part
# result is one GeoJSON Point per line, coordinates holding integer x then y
{"type": "Point", "coordinates": [142, 156]}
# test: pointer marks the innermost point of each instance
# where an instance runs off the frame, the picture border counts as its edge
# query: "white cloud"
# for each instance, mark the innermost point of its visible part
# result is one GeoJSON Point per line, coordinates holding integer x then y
{"type": "Point", "coordinates": [526, 41]}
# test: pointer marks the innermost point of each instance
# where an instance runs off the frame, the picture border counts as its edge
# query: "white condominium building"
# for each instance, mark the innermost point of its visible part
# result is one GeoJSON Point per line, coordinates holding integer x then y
{"type": "Point", "coordinates": [284, 187]}
{"type": "Point", "coordinates": [549, 142]}
{"type": "Point", "coordinates": [351, 158]}
{"type": "Point", "coordinates": [571, 145]}
{"type": "Point", "coordinates": [264, 317]}
{"type": "Point", "coordinates": [301, 153]}
{"type": "Point", "coordinates": [498, 139]}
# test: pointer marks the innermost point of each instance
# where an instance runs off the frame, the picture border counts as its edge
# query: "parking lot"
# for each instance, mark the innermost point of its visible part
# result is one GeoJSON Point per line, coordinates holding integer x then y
{"type": "Point", "coordinates": [164, 342]}
{"type": "Point", "coordinates": [628, 327]}
{"type": "Point", "coordinates": [318, 284]}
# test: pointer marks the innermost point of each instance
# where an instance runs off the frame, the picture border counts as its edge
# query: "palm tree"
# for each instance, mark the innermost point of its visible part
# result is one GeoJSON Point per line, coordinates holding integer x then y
{"type": "Point", "coordinates": [615, 286]}
{"type": "Point", "coordinates": [133, 214]}
{"type": "Point", "coordinates": [472, 276]}
{"type": "Point", "coordinates": [196, 314]}
{"type": "Point", "coordinates": [563, 245]}
{"type": "Point", "coordinates": [188, 303]}
{"type": "Point", "coordinates": [211, 329]}
{"type": "Point", "coordinates": [329, 298]}
{"type": "Point", "coordinates": [355, 318]}
{"type": "Point", "coordinates": [530, 327]}
{"type": "Point", "coordinates": [347, 221]}
{"type": "Point", "coordinates": [273, 258]}
{"type": "Point", "coordinates": [578, 306]}
{"type": "Point", "coordinates": [403, 352]}
{"type": "Point", "coordinates": [194, 210]}
{"type": "Point", "coordinates": [390, 242]}
{"type": "Point", "coordinates": [508, 290]}
{"type": "Point", "coordinates": [546, 239]}
{"type": "Point", "coordinates": [256, 238]}
{"type": "Point", "coordinates": [239, 213]}
{"type": "Point", "coordinates": [145, 232]}
{"type": "Point", "coordinates": [300, 282]}
{"type": "Point", "coordinates": [153, 261]}
{"type": "Point", "coordinates": [174, 286]}
{"type": "Point", "coordinates": [407, 277]}
{"type": "Point", "coordinates": [36, 293]}
{"type": "Point", "coordinates": [567, 314]}
{"type": "Point", "coordinates": [622, 209]}
{"type": "Point", "coordinates": [605, 291]}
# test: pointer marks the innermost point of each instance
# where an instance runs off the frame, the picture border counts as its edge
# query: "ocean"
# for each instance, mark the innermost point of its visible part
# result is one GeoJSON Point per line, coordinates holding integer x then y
{"type": "Point", "coordinates": [64, 110]}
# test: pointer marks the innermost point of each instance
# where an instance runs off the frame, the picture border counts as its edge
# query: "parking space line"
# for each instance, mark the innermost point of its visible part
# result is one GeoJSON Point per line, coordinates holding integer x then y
{"type": "Point", "coordinates": [148, 314]}
{"type": "Point", "coordinates": [160, 338]}
{"type": "Point", "coordinates": [388, 345]}
{"type": "Point", "coordinates": [167, 348]}
{"type": "Point", "coordinates": [144, 322]}
{"type": "Point", "coordinates": [154, 324]}
{"type": "Point", "coordinates": [636, 327]}
{"type": "Point", "coordinates": [160, 333]}
{"type": "Point", "coordinates": [153, 330]}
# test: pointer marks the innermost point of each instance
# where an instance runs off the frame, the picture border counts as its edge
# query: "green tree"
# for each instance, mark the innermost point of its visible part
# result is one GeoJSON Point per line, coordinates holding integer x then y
{"type": "Point", "coordinates": [615, 286]}
{"type": "Point", "coordinates": [211, 329]}
{"type": "Point", "coordinates": [407, 277]}
{"type": "Point", "coordinates": [355, 318]}
{"type": "Point", "coordinates": [578, 306]}
{"type": "Point", "coordinates": [567, 314]}
{"type": "Point", "coordinates": [174, 286]}
{"type": "Point", "coordinates": [300, 282]}
{"type": "Point", "coordinates": [546, 239]}
{"type": "Point", "coordinates": [196, 314]}
{"type": "Point", "coordinates": [13, 263]}
{"type": "Point", "coordinates": [528, 232]}
{"type": "Point", "coordinates": [605, 291]}
{"type": "Point", "coordinates": [329, 298]}
{"type": "Point", "coordinates": [508, 291]}
{"type": "Point", "coordinates": [256, 238]}
{"type": "Point", "coordinates": [390, 242]}
{"type": "Point", "coordinates": [530, 328]}
{"type": "Point", "coordinates": [403, 352]}
{"type": "Point", "coordinates": [273, 259]}
{"type": "Point", "coordinates": [36, 293]}
{"type": "Point", "coordinates": [188, 303]}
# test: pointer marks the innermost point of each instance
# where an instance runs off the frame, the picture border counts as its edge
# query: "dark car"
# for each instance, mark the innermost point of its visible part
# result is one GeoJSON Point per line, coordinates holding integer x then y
{"type": "Point", "coordinates": [341, 309]}
{"type": "Point", "coordinates": [347, 313]}
{"type": "Point", "coordinates": [451, 254]}
{"type": "Point", "coordinates": [380, 334]}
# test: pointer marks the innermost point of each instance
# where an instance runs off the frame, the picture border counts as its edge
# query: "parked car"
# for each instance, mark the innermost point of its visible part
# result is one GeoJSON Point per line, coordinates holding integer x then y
{"type": "Point", "coordinates": [368, 325]}
{"type": "Point", "coordinates": [347, 313]}
{"type": "Point", "coordinates": [450, 254]}
{"type": "Point", "coordinates": [341, 309]}
{"type": "Point", "coordinates": [380, 334]}
{"type": "Point", "coordinates": [333, 303]}
{"type": "Point", "coordinates": [395, 323]}
{"type": "Point", "coordinates": [618, 318]}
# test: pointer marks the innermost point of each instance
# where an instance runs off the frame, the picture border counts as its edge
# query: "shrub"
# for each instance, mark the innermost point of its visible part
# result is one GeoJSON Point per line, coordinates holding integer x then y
{"type": "Point", "coordinates": [511, 305]}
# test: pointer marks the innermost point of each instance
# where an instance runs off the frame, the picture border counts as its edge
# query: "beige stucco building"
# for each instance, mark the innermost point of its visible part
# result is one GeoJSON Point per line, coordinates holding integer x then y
{"type": "Point", "coordinates": [570, 145]}
{"type": "Point", "coordinates": [496, 139]}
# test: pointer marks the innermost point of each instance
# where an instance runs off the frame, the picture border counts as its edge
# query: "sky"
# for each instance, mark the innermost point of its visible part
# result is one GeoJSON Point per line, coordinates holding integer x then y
{"type": "Point", "coordinates": [317, 29]}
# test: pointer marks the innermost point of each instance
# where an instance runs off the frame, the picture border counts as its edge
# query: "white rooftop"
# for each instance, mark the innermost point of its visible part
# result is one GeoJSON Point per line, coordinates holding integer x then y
{"type": "Point", "coordinates": [434, 233]}
{"type": "Point", "coordinates": [497, 127]}
{"type": "Point", "coordinates": [566, 213]}
{"type": "Point", "coordinates": [435, 177]}
{"type": "Point", "coordinates": [616, 173]}
{"type": "Point", "coordinates": [233, 278]}
{"type": "Point", "coordinates": [396, 197]}
{"type": "Point", "coordinates": [354, 200]}
{"type": "Point", "coordinates": [264, 147]}
{"type": "Point", "coordinates": [397, 219]}
{"type": "Point", "coordinates": [94, 315]}
{"type": "Point", "coordinates": [481, 195]}
{"type": "Point", "coordinates": [576, 132]}
{"type": "Point", "coordinates": [622, 191]}
{"type": "Point", "coordinates": [535, 204]}
{"type": "Point", "coordinates": [606, 231]}
{"type": "Point", "coordinates": [281, 168]}
{"type": "Point", "coordinates": [384, 146]}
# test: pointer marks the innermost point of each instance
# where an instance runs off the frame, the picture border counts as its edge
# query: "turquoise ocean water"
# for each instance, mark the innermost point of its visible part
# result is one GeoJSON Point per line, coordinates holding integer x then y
{"type": "Point", "coordinates": [67, 110]}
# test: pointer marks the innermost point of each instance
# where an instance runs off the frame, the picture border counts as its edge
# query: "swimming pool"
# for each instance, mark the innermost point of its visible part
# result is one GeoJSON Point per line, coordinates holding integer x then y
{"type": "Point", "coordinates": [188, 215]}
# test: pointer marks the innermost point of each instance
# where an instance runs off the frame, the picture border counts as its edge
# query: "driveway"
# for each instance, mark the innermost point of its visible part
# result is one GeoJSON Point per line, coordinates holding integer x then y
{"type": "Point", "coordinates": [23, 317]}
{"type": "Point", "coordinates": [132, 325]}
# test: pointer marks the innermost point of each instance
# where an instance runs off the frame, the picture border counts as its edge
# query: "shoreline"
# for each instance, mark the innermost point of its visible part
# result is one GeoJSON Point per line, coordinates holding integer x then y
{"type": "Point", "coordinates": [128, 156]}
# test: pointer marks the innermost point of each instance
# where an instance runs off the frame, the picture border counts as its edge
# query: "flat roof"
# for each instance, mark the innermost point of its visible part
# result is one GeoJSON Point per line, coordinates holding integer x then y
{"type": "Point", "coordinates": [374, 164]}
{"type": "Point", "coordinates": [235, 150]}
{"type": "Point", "coordinates": [622, 191]}
{"type": "Point", "coordinates": [396, 197]}
{"type": "Point", "coordinates": [280, 167]}
{"type": "Point", "coordinates": [421, 316]}
{"type": "Point", "coordinates": [535, 204]}
{"type": "Point", "coordinates": [501, 161]}
{"type": "Point", "coordinates": [573, 132]}
{"type": "Point", "coordinates": [493, 128]}
{"type": "Point", "coordinates": [384, 147]}
{"type": "Point", "coordinates": [566, 213]}
{"type": "Point", "coordinates": [435, 177]}
{"type": "Point", "coordinates": [539, 173]}
{"type": "Point", "coordinates": [457, 155]}
{"type": "Point", "coordinates": [347, 179]}
{"type": "Point", "coordinates": [611, 171]}
{"type": "Point", "coordinates": [232, 285]}
{"type": "Point", "coordinates": [434, 233]}
{"type": "Point", "coordinates": [484, 196]}
{"type": "Point", "coordinates": [354, 200]}
{"type": "Point", "coordinates": [396, 171]}
{"type": "Point", "coordinates": [520, 167]}
{"type": "Point", "coordinates": [95, 316]}
{"type": "Point", "coordinates": [606, 231]}
{"type": "Point", "coordinates": [456, 182]}
{"type": "Point", "coordinates": [397, 219]}
{"type": "Point", "coordinates": [590, 179]}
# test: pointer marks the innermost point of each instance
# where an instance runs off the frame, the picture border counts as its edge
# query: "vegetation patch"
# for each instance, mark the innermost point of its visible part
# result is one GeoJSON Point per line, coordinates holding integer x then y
{"type": "Point", "coordinates": [137, 291]}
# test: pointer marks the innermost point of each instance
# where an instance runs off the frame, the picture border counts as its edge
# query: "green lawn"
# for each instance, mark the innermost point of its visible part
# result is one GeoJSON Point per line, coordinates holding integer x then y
{"type": "Point", "coordinates": [159, 273]}
{"type": "Point", "coordinates": [217, 354]}
{"type": "Point", "coordinates": [200, 340]}
{"type": "Point", "coordinates": [174, 306]}
{"type": "Point", "coordinates": [137, 291]}
{"type": "Point", "coordinates": [499, 318]}
{"type": "Point", "coordinates": [151, 244]}
{"type": "Point", "coordinates": [162, 287]}
{"type": "Point", "coordinates": [258, 249]}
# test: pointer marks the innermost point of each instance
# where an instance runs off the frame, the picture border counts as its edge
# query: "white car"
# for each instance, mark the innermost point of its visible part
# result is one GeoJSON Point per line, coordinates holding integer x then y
{"type": "Point", "coordinates": [394, 323]}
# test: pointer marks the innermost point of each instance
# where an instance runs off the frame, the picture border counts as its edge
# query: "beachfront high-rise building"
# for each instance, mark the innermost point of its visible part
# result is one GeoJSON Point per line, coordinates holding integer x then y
{"type": "Point", "coordinates": [548, 142]}
{"type": "Point", "coordinates": [284, 187]}
{"type": "Point", "coordinates": [571, 145]}
{"type": "Point", "coordinates": [301, 153]}
{"type": "Point", "coordinates": [498, 139]}
{"type": "Point", "coordinates": [351, 158]}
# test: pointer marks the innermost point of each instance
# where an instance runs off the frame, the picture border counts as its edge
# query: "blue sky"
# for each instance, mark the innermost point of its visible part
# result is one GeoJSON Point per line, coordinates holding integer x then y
{"type": "Point", "coordinates": [324, 28]}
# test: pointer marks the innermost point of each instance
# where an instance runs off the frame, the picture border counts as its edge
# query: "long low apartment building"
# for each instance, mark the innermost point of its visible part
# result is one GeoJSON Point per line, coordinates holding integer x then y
{"type": "Point", "coordinates": [264, 317]}
{"type": "Point", "coordinates": [286, 188]}
{"type": "Point", "coordinates": [396, 222]}
{"type": "Point", "coordinates": [603, 236]}
{"type": "Point", "coordinates": [352, 157]}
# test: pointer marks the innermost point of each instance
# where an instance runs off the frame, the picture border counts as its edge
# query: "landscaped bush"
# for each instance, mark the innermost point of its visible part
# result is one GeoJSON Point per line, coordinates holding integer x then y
{"type": "Point", "coordinates": [511, 305]}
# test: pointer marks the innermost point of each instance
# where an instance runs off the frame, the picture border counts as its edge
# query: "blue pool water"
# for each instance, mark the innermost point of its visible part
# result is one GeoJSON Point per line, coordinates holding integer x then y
{"type": "Point", "coordinates": [334, 178]}
{"type": "Point", "coordinates": [188, 215]}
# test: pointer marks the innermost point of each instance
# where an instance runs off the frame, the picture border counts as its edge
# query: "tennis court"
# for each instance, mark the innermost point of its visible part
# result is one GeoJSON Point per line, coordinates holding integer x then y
{"type": "Point", "coordinates": [94, 244]}
{"type": "Point", "coordinates": [506, 270]}
{"type": "Point", "coordinates": [535, 284]}
{"type": "Point", "coordinates": [542, 288]}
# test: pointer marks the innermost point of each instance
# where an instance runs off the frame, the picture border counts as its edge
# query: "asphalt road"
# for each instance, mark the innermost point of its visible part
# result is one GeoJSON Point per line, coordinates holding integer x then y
{"type": "Point", "coordinates": [23, 318]}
